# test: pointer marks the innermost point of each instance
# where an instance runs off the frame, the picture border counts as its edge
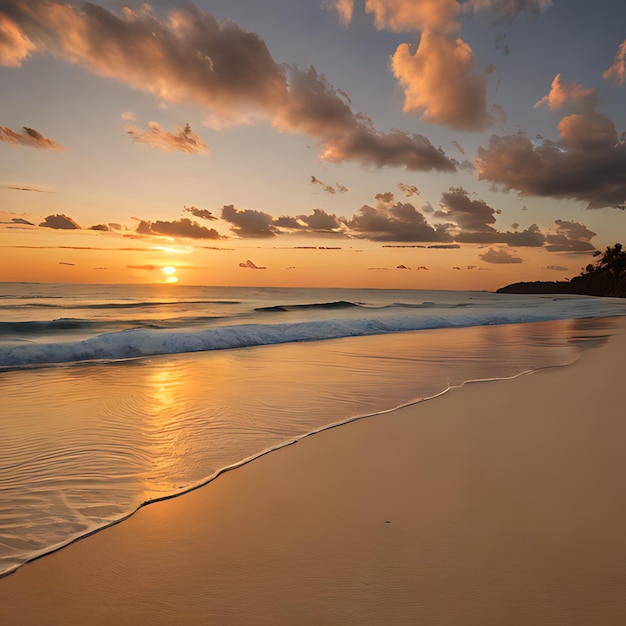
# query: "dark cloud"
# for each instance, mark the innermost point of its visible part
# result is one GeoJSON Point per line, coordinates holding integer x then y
{"type": "Point", "coordinates": [499, 257]}
{"type": "Point", "coordinates": [317, 109]}
{"type": "Point", "coordinates": [394, 221]}
{"type": "Point", "coordinates": [570, 237]}
{"type": "Point", "coordinates": [249, 222]}
{"type": "Point", "coordinates": [19, 220]}
{"type": "Point", "coordinates": [205, 214]}
{"type": "Point", "coordinates": [320, 221]}
{"type": "Point", "coordinates": [471, 221]}
{"type": "Point", "coordinates": [178, 228]}
{"type": "Point", "coordinates": [337, 188]}
{"type": "Point", "coordinates": [587, 163]}
{"type": "Point", "coordinates": [467, 214]}
{"type": "Point", "coordinates": [557, 268]}
{"type": "Point", "coordinates": [60, 221]}
{"type": "Point", "coordinates": [27, 137]}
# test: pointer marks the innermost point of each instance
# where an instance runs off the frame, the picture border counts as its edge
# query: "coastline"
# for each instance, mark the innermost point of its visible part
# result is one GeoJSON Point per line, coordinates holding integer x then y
{"type": "Point", "coordinates": [496, 503]}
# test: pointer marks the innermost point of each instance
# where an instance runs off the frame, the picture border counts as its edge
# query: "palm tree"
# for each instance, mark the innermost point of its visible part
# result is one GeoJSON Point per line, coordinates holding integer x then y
{"type": "Point", "coordinates": [608, 275]}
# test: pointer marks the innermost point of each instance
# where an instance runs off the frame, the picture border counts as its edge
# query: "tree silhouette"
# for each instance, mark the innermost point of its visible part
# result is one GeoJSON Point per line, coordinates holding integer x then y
{"type": "Point", "coordinates": [607, 277]}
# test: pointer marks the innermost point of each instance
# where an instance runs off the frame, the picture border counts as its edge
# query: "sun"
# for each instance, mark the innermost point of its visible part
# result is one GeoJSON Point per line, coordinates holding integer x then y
{"type": "Point", "coordinates": [170, 274]}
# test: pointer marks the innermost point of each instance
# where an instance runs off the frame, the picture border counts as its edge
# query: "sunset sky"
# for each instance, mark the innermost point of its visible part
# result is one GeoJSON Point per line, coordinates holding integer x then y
{"type": "Point", "coordinates": [435, 144]}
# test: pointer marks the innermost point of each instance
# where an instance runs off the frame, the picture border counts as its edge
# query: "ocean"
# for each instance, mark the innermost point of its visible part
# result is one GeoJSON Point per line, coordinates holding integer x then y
{"type": "Point", "coordinates": [114, 396]}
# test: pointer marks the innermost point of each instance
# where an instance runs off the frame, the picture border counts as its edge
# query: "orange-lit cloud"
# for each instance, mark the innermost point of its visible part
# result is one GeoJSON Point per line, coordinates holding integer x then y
{"type": "Point", "coordinates": [229, 72]}
{"type": "Point", "coordinates": [183, 140]}
{"type": "Point", "coordinates": [617, 71]}
{"type": "Point", "coordinates": [569, 95]}
{"type": "Point", "coordinates": [440, 82]}
{"type": "Point", "coordinates": [28, 137]}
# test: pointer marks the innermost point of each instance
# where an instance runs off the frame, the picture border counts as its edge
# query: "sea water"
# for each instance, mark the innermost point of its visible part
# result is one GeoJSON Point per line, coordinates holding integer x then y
{"type": "Point", "coordinates": [112, 396]}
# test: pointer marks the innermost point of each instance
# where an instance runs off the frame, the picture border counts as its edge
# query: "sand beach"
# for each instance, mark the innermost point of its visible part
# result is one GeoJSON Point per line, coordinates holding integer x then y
{"type": "Point", "coordinates": [499, 502]}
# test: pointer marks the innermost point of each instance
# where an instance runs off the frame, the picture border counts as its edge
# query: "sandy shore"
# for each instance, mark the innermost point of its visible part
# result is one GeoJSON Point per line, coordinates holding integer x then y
{"type": "Point", "coordinates": [500, 503]}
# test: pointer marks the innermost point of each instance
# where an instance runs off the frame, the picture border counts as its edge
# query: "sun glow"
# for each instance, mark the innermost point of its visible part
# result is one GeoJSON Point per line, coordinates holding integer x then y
{"type": "Point", "coordinates": [170, 274]}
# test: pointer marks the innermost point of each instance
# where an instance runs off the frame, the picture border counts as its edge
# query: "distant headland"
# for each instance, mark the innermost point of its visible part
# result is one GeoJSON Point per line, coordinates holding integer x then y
{"type": "Point", "coordinates": [606, 278]}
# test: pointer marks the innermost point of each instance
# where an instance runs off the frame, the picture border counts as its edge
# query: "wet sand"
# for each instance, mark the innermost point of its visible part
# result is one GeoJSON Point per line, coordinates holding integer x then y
{"type": "Point", "coordinates": [499, 503]}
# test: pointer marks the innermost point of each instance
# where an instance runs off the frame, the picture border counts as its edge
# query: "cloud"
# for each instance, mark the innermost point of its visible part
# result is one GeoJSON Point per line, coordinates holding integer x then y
{"type": "Point", "coordinates": [178, 228]}
{"type": "Point", "coordinates": [499, 257]}
{"type": "Point", "coordinates": [205, 214]}
{"type": "Point", "coordinates": [249, 222]}
{"type": "Point", "coordinates": [617, 71]}
{"type": "Point", "coordinates": [193, 59]}
{"type": "Point", "coordinates": [66, 263]}
{"type": "Point", "coordinates": [59, 221]}
{"type": "Point", "coordinates": [570, 237]}
{"type": "Point", "coordinates": [394, 221]}
{"type": "Point", "coordinates": [458, 146]}
{"type": "Point", "coordinates": [408, 190]}
{"type": "Point", "coordinates": [317, 109]}
{"type": "Point", "coordinates": [183, 140]}
{"type": "Point", "coordinates": [439, 79]}
{"type": "Point", "coordinates": [440, 82]}
{"type": "Point", "coordinates": [570, 95]}
{"type": "Point", "coordinates": [320, 221]}
{"type": "Point", "coordinates": [586, 164]}
{"type": "Point", "coordinates": [467, 214]}
{"type": "Point", "coordinates": [251, 266]}
{"type": "Point", "coordinates": [23, 187]}
{"type": "Point", "coordinates": [15, 220]}
{"type": "Point", "coordinates": [557, 268]}
{"type": "Point", "coordinates": [471, 221]}
{"type": "Point", "coordinates": [27, 137]}
{"type": "Point", "coordinates": [328, 188]}
{"type": "Point", "coordinates": [344, 8]}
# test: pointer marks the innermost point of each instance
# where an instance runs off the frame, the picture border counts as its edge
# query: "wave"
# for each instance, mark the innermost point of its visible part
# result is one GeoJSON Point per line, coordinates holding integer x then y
{"type": "Point", "coordinates": [117, 305]}
{"type": "Point", "coordinates": [340, 304]}
{"type": "Point", "coordinates": [140, 342]}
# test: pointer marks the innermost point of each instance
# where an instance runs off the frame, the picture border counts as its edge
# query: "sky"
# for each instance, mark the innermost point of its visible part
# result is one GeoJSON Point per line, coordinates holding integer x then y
{"type": "Point", "coordinates": [414, 144]}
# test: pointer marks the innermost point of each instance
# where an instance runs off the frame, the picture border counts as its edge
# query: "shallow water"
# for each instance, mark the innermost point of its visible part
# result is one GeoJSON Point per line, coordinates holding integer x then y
{"type": "Point", "coordinates": [85, 444]}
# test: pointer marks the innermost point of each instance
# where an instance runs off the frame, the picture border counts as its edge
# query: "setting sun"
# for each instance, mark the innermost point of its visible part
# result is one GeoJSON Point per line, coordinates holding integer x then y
{"type": "Point", "coordinates": [170, 274]}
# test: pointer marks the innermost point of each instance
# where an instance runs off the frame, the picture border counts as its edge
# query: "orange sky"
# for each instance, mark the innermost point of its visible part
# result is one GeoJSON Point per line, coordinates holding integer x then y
{"type": "Point", "coordinates": [484, 136]}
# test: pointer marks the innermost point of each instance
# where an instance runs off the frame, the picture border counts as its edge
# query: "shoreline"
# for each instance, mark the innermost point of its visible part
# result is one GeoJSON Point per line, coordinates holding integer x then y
{"type": "Point", "coordinates": [383, 501]}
